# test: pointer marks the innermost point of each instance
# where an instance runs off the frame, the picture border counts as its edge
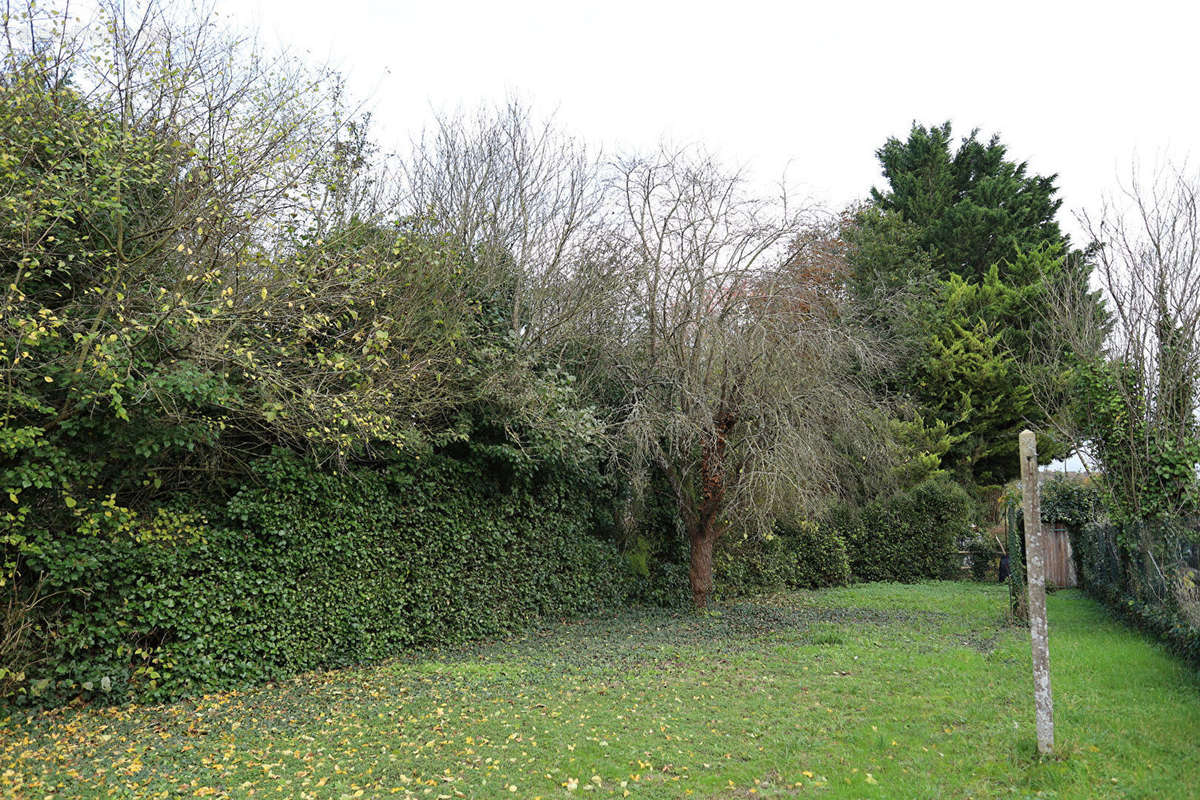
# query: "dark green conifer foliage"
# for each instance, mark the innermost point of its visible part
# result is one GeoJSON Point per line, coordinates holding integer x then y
{"type": "Point", "coordinates": [974, 207]}
{"type": "Point", "coordinates": [954, 258]}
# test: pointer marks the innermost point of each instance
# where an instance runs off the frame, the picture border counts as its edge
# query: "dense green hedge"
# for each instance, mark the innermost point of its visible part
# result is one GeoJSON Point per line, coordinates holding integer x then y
{"type": "Point", "coordinates": [657, 547]}
{"type": "Point", "coordinates": [309, 569]}
{"type": "Point", "coordinates": [820, 556]}
{"type": "Point", "coordinates": [1068, 502]}
{"type": "Point", "coordinates": [799, 555]}
{"type": "Point", "coordinates": [907, 537]}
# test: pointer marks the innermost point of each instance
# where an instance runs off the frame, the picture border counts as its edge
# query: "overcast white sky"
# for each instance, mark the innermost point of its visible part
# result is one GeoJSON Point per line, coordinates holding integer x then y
{"type": "Point", "coordinates": [1074, 88]}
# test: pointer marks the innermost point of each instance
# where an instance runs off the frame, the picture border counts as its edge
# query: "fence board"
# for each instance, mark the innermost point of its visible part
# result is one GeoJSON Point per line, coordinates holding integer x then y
{"type": "Point", "coordinates": [1060, 567]}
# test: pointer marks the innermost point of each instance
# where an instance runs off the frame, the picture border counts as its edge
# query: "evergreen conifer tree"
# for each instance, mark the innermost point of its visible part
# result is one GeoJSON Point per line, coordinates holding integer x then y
{"type": "Point", "coordinates": [954, 256]}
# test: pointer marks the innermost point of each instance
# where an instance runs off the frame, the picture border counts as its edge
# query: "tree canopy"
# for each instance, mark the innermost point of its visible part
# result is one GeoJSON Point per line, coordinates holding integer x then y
{"type": "Point", "coordinates": [971, 206]}
{"type": "Point", "coordinates": [955, 257]}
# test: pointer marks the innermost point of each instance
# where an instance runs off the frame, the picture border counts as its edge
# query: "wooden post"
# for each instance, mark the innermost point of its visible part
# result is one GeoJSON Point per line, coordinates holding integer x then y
{"type": "Point", "coordinates": [1036, 556]}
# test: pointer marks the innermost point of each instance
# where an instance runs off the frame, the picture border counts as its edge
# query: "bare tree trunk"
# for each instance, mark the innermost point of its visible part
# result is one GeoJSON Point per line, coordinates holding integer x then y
{"type": "Point", "coordinates": [701, 572]}
{"type": "Point", "coordinates": [707, 530]}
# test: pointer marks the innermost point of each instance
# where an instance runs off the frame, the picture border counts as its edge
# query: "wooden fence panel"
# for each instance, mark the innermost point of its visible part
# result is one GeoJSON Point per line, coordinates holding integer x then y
{"type": "Point", "coordinates": [1060, 567]}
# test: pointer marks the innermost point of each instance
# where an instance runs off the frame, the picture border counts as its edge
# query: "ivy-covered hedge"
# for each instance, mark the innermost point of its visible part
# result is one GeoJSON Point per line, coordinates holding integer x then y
{"type": "Point", "coordinates": [908, 537]}
{"type": "Point", "coordinates": [799, 555]}
{"type": "Point", "coordinates": [309, 569]}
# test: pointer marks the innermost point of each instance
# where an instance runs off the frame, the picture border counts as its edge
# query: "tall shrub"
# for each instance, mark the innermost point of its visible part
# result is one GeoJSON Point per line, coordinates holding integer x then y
{"type": "Point", "coordinates": [799, 554]}
{"type": "Point", "coordinates": [910, 536]}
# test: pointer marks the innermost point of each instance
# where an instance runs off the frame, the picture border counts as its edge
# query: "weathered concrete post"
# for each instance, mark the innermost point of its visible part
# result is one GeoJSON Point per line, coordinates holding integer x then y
{"type": "Point", "coordinates": [1035, 553]}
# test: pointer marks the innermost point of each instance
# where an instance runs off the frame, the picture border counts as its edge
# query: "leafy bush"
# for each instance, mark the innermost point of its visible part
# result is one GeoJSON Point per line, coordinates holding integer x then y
{"type": "Point", "coordinates": [1069, 502]}
{"type": "Point", "coordinates": [743, 565]}
{"type": "Point", "coordinates": [819, 556]}
{"type": "Point", "coordinates": [309, 569]}
{"type": "Point", "coordinates": [798, 555]}
{"type": "Point", "coordinates": [907, 537]}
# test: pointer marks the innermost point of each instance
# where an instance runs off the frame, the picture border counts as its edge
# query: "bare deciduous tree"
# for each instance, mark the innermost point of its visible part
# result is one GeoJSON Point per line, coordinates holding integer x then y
{"type": "Point", "coordinates": [1137, 416]}
{"type": "Point", "coordinates": [525, 200]}
{"type": "Point", "coordinates": [738, 375]}
{"type": "Point", "coordinates": [1149, 267]}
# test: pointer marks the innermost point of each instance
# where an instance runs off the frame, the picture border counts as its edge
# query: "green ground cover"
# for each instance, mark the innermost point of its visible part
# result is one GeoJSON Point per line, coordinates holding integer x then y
{"type": "Point", "coordinates": [874, 691]}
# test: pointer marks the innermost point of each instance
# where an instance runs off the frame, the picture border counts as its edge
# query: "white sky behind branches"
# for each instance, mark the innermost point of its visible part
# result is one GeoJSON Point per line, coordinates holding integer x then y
{"type": "Point", "coordinates": [1075, 88]}
{"type": "Point", "coordinates": [813, 89]}
{"type": "Point", "coordinates": [1087, 90]}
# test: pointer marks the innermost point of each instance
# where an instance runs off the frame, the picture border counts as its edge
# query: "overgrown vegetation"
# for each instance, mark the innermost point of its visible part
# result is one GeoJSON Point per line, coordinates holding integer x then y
{"type": "Point", "coordinates": [1135, 382]}
{"type": "Point", "coordinates": [305, 569]}
{"type": "Point", "coordinates": [273, 400]}
{"type": "Point", "coordinates": [231, 327]}
{"type": "Point", "coordinates": [1149, 573]}
{"type": "Point", "coordinates": [189, 308]}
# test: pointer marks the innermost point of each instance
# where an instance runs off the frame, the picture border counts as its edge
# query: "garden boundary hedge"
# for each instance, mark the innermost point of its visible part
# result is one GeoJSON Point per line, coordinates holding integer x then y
{"type": "Point", "coordinates": [907, 537]}
{"type": "Point", "coordinates": [309, 569]}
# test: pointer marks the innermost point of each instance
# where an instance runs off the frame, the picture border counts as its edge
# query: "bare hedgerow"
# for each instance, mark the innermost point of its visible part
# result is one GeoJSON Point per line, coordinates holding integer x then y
{"type": "Point", "coordinates": [525, 201]}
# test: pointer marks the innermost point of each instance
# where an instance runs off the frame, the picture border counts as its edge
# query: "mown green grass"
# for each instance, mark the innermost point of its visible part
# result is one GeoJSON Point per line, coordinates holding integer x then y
{"type": "Point", "coordinates": [875, 691]}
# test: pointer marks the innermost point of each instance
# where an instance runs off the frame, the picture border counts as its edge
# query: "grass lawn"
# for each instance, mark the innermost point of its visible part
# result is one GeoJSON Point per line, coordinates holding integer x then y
{"type": "Point", "coordinates": [874, 691]}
